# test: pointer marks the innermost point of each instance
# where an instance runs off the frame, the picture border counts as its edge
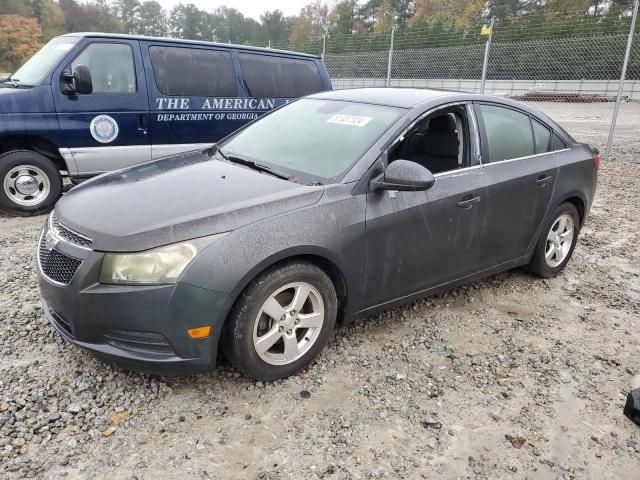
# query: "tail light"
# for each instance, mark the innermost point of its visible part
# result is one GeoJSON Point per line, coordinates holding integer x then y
{"type": "Point", "coordinates": [596, 158]}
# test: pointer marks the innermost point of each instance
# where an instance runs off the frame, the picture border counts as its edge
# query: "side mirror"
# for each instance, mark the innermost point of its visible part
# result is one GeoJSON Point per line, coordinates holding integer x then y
{"type": "Point", "coordinates": [403, 175]}
{"type": "Point", "coordinates": [78, 81]}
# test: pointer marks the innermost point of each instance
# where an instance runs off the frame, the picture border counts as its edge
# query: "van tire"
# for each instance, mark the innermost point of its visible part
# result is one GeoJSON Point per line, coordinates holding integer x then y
{"type": "Point", "coordinates": [40, 181]}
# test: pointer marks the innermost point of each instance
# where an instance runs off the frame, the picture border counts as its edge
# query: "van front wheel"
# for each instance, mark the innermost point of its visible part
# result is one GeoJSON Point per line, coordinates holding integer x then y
{"type": "Point", "coordinates": [31, 183]}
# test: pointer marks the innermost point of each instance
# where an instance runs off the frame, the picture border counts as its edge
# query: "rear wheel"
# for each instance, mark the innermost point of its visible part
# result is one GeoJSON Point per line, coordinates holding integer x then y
{"type": "Point", "coordinates": [557, 242]}
{"type": "Point", "coordinates": [31, 183]}
{"type": "Point", "coordinates": [281, 321]}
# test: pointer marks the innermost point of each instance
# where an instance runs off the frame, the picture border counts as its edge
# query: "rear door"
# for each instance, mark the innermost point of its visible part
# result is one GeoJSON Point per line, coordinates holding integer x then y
{"type": "Point", "coordinates": [520, 173]}
{"type": "Point", "coordinates": [106, 129]}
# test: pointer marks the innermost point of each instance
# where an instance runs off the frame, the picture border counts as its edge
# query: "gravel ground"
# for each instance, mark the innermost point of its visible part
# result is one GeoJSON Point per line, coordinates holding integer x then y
{"type": "Point", "coordinates": [512, 377]}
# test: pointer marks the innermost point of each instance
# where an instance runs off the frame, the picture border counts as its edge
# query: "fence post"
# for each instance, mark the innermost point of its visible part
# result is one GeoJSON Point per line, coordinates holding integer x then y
{"type": "Point", "coordinates": [324, 46]}
{"type": "Point", "coordinates": [487, 47]}
{"type": "Point", "coordinates": [393, 31]}
{"type": "Point", "coordinates": [622, 79]}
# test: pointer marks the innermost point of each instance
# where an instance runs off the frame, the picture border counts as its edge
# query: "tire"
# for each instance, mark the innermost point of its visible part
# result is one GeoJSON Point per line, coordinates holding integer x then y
{"type": "Point", "coordinates": [249, 328]}
{"type": "Point", "coordinates": [552, 254]}
{"type": "Point", "coordinates": [41, 183]}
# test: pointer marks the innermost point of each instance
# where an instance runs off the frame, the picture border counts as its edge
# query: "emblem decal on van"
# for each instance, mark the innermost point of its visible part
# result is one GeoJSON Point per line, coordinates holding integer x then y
{"type": "Point", "coordinates": [104, 129]}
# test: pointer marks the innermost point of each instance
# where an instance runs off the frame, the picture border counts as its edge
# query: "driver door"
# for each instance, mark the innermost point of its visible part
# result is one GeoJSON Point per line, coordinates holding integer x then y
{"type": "Point", "coordinates": [415, 241]}
{"type": "Point", "coordinates": [108, 128]}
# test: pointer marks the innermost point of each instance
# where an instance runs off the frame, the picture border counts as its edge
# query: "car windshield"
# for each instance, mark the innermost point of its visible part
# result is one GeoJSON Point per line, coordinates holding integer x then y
{"type": "Point", "coordinates": [37, 67]}
{"type": "Point", "coordinates": [314, 137]}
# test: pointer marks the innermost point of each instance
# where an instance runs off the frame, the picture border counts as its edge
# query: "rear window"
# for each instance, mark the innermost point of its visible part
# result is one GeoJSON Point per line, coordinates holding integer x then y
{"type": "Point", "coordinates": [557, 143]}
{"type": "Point", "coordinates": [508, 133]}
{"type": "Point", "coordinates": [542, 136]}
{"type": "Point", "coordinates": [279, 77]}
{"type": "Point", "coordinates": [193, 72]}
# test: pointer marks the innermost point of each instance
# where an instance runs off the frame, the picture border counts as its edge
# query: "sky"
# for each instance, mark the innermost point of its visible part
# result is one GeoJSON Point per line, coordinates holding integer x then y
{"type": "Point", "coordinates": [250, 8]}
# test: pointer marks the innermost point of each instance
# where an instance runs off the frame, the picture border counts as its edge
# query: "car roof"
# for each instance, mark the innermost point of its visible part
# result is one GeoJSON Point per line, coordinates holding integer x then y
{"type": "Point", "coordinates": [389, 96]}
{"type": "Point", "coordinates": [187, 42]}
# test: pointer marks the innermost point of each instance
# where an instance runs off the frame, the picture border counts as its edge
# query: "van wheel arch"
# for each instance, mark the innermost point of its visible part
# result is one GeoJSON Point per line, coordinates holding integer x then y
{"type": "Point", "coordinates": [34, 143]}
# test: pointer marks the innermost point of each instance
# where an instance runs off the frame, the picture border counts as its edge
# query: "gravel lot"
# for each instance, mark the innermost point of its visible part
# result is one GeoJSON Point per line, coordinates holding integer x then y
{"type": "Point", "coordinates": [513, 377]}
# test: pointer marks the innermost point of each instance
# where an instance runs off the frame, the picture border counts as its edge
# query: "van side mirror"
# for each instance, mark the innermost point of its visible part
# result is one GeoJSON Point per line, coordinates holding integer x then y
{"type": "Point", "coordinates": [78, 81]}
{"type": "Point", "coordinates": [403, 175]}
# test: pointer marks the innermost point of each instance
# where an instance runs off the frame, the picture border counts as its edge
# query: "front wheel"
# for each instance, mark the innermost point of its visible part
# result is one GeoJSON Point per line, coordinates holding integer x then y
{"type": "Point", "coordinates": [281, 321]}
{"type": "Point", "coordinates": [557, 242]}
{"type": "Point", "coordinates": [31, 183]}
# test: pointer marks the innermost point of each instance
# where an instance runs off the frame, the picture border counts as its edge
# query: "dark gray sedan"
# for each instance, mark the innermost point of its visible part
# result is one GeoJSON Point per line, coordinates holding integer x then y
{"type": "Point", "coordinates": [337, 204]}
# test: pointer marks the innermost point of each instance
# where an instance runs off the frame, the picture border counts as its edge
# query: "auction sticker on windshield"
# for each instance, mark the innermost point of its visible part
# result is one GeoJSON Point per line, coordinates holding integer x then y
{"type": "Point", "coordinates": [353, 120]}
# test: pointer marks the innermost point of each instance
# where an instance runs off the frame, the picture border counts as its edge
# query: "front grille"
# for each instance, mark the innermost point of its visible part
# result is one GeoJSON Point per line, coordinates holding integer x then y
{"type": "Point", "coordinates": [68, 234]}
{"type": "Point", "coordinates": [61, 322]}
{"type": "Point", "coordinates": [55, 265]}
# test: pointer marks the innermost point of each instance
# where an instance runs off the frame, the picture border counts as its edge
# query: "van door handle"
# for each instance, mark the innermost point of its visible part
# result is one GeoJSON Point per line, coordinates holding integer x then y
{"type": "Point", "coordinates": [542, 180]}
{"type": "Point", "coordinates": [142, 122]}
{"type": "Point", "coordinates": [468, 202]}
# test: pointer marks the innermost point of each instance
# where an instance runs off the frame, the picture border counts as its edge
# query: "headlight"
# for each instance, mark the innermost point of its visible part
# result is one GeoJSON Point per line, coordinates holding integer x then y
{"type": "Point", "coordinates": [161, 265]}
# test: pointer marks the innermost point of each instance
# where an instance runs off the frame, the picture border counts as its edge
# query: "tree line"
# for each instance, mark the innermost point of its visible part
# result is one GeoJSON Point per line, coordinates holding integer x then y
{"type": "Point", "coordinates": [344, 25]}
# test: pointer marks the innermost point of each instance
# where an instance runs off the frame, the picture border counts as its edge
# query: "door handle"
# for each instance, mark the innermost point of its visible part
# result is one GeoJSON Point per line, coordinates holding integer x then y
{"type": "Point", "coordinates": [468, 202]}
{"type": "Point", "coordinates": [542, 180]}
{"type": "Point", "coordinates": [142, 122]}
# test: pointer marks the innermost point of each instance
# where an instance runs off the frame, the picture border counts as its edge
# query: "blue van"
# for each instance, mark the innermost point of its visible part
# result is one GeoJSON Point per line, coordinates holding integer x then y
{"type": "Point", "coordinates": [88, 103]}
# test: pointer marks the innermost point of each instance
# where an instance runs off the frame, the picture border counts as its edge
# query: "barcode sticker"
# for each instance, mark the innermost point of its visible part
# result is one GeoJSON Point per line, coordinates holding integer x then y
{"type": "Point", "coordinates": [353, 120]}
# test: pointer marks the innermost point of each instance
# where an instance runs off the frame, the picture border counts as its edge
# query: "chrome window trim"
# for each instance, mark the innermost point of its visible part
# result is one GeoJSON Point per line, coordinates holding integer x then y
{"type": "Point", "coordinates": [457, 170]}
{"type": "Point", "coordinates": [508, 160]}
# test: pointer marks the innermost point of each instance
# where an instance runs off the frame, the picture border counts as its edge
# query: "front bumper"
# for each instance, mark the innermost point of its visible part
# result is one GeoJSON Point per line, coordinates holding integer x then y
{"type": "Point", "coordinates": [141, 328]}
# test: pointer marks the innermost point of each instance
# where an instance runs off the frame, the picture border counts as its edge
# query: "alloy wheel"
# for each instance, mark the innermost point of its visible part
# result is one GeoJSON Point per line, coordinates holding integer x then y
{"type": "Point", "coordinates": [559, 240]}
{"type": "Point", "coordinates": [288, 323]}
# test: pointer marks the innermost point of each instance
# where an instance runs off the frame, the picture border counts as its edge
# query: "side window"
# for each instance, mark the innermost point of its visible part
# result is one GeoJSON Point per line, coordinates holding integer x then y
{"type": "Point", "coordinates": [193, 72]}
{"type": "Point", "coordinates": [111, 66]}
{"type": "Point", "coordinates": [439, 142]}
{"type": "Point", "coordinates": [508, 133]}
{"type": "Point", "coordinates": [279, 77]}
{"type": "Point", "coordinates": [542, 137]}
{"type": "Point", "coordinates": [557, 143]}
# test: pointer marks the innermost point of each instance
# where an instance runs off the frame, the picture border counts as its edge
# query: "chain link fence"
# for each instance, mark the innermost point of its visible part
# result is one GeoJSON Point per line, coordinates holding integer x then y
{"type": "Point", "coordinates": [570, 67]}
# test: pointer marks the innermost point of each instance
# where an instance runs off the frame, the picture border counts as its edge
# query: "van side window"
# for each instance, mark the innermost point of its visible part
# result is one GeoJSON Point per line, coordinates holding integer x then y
{"type": "Point", "coordinates": [279, 77]}
{"type": "Point", "coordinates": [508, 133]}
{"type": "Point", "coordinates": [111, 66]}
{"type": "Point", "coordinates": [193, 72]}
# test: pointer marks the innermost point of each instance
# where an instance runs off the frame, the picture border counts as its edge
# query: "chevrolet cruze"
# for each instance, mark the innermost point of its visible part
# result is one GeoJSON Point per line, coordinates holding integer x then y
{"type": "Point", "coordinates": [338, 204]}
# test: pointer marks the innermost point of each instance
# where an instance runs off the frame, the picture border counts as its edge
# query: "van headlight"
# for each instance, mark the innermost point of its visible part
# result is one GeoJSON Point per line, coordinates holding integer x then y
{"type": "Point", "coordinates": [158, 266]}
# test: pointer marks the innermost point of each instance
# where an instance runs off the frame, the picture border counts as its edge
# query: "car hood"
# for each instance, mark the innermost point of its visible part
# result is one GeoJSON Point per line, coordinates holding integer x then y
{"type": "Point", "coordinates": [174, 199]}
{"type": "Point", "coordinates": [26, 100]}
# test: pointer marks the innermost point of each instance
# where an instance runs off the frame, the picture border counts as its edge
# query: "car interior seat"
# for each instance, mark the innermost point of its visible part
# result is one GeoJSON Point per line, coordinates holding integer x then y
{"type": "Point", "coordinates": [440, 145]}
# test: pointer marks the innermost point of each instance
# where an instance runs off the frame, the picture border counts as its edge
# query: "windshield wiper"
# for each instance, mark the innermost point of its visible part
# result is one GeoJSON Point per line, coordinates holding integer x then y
{"type": "Point", "coordinates": [254, 165]}
{"type": "Point", "coordinates": [215, 149]}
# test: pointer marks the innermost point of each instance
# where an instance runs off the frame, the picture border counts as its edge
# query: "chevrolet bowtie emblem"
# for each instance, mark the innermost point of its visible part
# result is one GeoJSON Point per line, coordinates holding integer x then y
{"type": "Point", "coordinates": [51, 240]}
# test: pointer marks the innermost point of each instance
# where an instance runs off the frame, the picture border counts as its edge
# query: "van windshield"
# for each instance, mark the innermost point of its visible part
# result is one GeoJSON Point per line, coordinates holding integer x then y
{"type": "Point", "coordinates": [37, 67]}
{"type": "Point", "coordinates": [314, 137]}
